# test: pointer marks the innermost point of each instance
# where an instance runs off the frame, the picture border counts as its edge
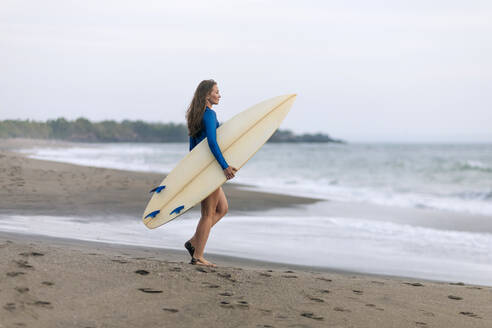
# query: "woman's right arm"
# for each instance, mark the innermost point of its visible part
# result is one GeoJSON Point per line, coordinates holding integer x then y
{"type": "Point", "coordinates": [209, 121]}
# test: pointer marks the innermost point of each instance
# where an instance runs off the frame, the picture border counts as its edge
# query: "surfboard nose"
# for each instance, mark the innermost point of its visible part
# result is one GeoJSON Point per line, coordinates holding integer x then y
{"type": "Point", "coordinates": [287, 98]}
{"type": "Point", "coordinates": [290, 98]}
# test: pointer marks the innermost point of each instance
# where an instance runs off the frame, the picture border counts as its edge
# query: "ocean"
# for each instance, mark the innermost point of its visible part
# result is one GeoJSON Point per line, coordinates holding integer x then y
{"type": "Point", "coordinates": [398, 189]}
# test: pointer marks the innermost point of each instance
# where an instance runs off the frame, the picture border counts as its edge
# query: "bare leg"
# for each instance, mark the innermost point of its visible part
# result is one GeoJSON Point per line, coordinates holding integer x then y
{"type": "Point", "coordinates": [205, 224]}
{"type": "Point", "coordinates": [222, 207]}
{"type": "Point", "coordinates": [202, 232]}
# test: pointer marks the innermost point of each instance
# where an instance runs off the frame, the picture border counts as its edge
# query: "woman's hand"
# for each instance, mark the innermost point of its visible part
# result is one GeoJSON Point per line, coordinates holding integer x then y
{"type": "Point", "coordinates": [229, 172]}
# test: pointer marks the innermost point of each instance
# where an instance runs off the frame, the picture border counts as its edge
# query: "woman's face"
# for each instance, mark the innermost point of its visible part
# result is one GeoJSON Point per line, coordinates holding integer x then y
{"type": "Point", "coordinates": [214, 95]}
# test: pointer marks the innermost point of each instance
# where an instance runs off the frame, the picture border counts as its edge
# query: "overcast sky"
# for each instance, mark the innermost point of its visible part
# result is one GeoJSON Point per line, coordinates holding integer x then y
{"type": "Point", "coordinates": [363, 70]}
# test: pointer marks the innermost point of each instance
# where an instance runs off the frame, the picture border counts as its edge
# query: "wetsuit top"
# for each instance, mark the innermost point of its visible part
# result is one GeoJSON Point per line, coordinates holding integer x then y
{"type": "Point", "coordinates": [209, 127]}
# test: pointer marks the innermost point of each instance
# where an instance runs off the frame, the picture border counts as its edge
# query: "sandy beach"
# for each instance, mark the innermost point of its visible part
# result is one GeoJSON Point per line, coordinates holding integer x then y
{"type": "Point", "coordinates": [53, 282]}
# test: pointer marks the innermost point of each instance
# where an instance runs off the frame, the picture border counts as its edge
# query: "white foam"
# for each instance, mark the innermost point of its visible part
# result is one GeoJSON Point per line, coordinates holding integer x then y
{"type": "Point", "coordinates": [475, 165]}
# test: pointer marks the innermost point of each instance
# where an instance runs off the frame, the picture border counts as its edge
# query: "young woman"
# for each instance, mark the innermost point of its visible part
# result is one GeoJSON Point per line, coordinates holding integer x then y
{"type": "Point", "coordinates": [202, 123]}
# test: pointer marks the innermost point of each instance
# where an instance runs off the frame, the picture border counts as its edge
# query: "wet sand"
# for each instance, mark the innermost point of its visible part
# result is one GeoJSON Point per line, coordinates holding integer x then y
{"type": "Point", "coordinates": [50, 282]}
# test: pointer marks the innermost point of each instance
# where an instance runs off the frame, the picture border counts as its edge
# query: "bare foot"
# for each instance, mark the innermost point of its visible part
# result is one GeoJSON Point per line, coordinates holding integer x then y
{"type": "Point", "coordinates": [201, 261]}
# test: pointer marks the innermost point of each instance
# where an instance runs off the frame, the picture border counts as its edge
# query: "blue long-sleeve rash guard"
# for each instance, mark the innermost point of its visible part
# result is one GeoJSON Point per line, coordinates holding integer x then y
{"type": "Point", "coordinates": [210, 125]}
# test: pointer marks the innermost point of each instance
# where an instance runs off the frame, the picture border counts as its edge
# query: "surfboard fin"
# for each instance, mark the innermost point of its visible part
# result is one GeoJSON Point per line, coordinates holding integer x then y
{"type": "Point", "coordinates": [158, 189]}
{"type": "Point", "coordinates": [177, 210]}
{"type": "Point", "coordinates": [153, 214]}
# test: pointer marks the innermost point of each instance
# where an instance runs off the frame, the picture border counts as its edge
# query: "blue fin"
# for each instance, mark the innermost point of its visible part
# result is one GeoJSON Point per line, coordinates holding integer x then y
{"type": "Point", "coordinates": [153, 214]}
{"type": "Point", "coordinates": [158, 189]}
{"type": "Point", "coordinates": [177, 210]}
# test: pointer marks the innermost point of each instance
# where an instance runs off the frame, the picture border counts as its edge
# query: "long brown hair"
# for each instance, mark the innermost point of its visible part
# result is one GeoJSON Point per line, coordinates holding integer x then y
{"type": "Point", "coordinates": [194, 114]}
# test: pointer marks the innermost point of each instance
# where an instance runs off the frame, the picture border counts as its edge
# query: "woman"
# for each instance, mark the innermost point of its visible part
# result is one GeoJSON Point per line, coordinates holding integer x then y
{"type": "Point", "coordinates": [202, 123]}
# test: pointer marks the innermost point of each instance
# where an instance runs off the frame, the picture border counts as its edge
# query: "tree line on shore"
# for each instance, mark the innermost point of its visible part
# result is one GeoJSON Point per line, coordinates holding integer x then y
{"type": "Point", "coordinates": [83, 130]}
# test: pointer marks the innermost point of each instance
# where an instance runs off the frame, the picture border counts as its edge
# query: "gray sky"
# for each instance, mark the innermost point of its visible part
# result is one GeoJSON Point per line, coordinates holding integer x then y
{"type": "Point", "coordinates": [363, 70]}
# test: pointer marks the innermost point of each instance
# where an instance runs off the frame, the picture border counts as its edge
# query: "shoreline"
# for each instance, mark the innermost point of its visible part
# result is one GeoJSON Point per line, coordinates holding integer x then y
{"type": "Point", "coordinates": [182, 256]}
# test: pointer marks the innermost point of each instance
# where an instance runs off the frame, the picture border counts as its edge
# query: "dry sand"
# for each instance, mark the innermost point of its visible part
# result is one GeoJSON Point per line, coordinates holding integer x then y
{"type": "Point", "coordinates": [48, 282]}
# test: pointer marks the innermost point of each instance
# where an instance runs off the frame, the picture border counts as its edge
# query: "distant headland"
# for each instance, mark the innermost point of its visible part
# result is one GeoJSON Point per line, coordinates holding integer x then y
{"type": "Point", "coordinates": [83, 130]}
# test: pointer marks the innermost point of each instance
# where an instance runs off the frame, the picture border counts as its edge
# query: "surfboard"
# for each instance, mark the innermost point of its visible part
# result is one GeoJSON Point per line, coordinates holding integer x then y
{"type": "Point", "coordinates": [198, 174]}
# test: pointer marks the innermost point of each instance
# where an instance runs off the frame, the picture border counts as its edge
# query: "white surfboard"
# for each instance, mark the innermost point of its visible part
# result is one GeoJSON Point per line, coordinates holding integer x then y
{"type": "Point", "coordinates": [198, 174]}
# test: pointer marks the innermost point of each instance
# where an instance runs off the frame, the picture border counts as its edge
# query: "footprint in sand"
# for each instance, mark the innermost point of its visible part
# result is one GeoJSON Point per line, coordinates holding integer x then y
{"type": "Point", "coordinates": [377, 282]}
{"type": "Point", "coordinates": [265, 310]}
{"type": "Point", "coordinates": [470, 314]}
{"type": "Point", "coordinates": [23, 264]}
{"type": "Point", "coordinates": [9, 307]}
{"type": "Point", "coordinates": [358, 292]}
{"type": "Point", "coordinates": [311, 315]}
{"type": "Point", "coordinates": [48, 283]}
{"type": "Point", "coordinates": [15, 274]}
{"type": "Point", "coordinates": [263, 274]}
{"type": "Point", "coordinates": [242, 304]}
{"type": "Point", "coordinates": [427, 313]}
{"type": "Point", "coordinates": [22, 290]}
{"type": "Point", "coordinates": [420, 324]}
{"type": "Point", "coordinates": [120, 261]}
{"type": "Point", "coordinates": [374, 306]}
{"type": "Point", "coordinates": [455, 297]}
{"type": "Point", "coordinates": [226, 294]}
{"type": "Point", "coordinates": [31, 254]}
{"type": "Point", "coordinates": [340, 309]}
{"type": "Point", "coordinates": [170, 310]}
{"type": "Point", "coordinates": [224, 275]}
{"type": "Point", "coordinates": [210, 285]}
{"type": "Point", "coordinates": [43, 304]}
{"type": "Point", "coordinates": [226, 305]}
{"type": "Point", "coordinates": [150, 290]}
{"type": "Point", "coordinates": [142, 272]}
{"type": "Point", "coordinates": [415, 284]}
{"type": "Point", "coordinates": [324, 279]}
{"type": "Point", "coordinates": [315, 299]}
{"type": "Point", "coordinates": [227, 276]}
